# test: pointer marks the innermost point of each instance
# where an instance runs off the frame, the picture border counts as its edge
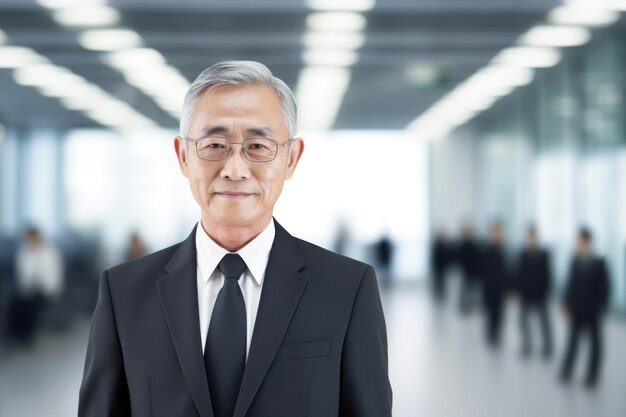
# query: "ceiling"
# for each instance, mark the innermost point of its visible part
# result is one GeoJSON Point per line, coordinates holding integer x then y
{"type": "Point", "coordinates": [413, 51]}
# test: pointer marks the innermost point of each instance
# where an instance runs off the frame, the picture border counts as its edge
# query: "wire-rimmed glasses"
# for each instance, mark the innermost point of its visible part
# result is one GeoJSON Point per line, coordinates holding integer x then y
{"type": "Point", "coordinates": [217, 148]}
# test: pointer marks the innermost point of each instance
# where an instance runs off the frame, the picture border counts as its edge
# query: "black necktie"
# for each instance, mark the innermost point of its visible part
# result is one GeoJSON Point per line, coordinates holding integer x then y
{"type": "Point", "coordinates": [225, 349]}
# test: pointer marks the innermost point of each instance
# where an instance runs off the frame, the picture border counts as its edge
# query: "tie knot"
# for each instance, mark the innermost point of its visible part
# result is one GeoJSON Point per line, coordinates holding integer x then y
{"type": "Point", "coordinates": [232, 266]}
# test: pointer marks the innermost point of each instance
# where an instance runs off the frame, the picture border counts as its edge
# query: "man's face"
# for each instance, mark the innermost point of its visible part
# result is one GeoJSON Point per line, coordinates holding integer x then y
{"type": "Point", "coordinates": [583, 246]}
{"type": "Point", "coordinates": [236, 192]}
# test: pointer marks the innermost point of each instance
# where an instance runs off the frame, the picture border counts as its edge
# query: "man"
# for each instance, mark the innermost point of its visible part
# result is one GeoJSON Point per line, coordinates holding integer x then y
{"type": "Point", "coordinates": [439, 261]}
{"type": "Point", "coordinates": [241, 318]}
{"type": "Point", "coordinates": [467, 255]}
{"type": "Point", "coordinates": [534, 287]}
{"type": "Point", "coordinates": [39, 268]}
{"type": "Point", "coordinates": [494, 281]}
{"type": "Point", "coordinates": [586, 299]}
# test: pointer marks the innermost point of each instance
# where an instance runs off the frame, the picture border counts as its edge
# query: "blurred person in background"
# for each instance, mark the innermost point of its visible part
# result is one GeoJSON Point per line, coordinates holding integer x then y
{"type": "Point", "coordinates": [440, 258]}
{"type": "Point", "coordinates": [39, 269]}
{"type": "Point", "coordinates": [467, 257]}
{"type": "Point", "coordinates": [383, 250]}
{"type": "Point", "coordinates": [533, 283]}
{"type": "Point", "coordinates": [586, 301]}
{"type": "Point", "coordinates": [494, 277]}
{"type": "Point", "coordinates": [136, 247]}
{"type": "Point", "coordinates": [172, 331]}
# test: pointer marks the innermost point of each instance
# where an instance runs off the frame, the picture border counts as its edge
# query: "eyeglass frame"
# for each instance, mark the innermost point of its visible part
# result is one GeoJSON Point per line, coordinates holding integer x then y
{"type": "Point", "coordinates": [230, 147]}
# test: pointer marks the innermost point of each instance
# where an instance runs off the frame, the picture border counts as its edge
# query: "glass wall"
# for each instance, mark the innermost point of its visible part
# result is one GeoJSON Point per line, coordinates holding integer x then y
{"type": "Point", "coordinates": [553, 154]}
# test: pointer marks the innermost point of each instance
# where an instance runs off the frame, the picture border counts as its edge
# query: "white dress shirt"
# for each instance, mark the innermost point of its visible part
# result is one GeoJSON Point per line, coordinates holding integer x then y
{"type": "Point", "coordinates": [39, 269]}
{"type": "Point", "coordinates": [210, 280]}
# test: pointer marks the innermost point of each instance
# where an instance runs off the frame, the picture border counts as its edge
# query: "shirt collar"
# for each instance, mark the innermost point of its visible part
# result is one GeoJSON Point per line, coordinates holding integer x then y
{"type": "Point", "coordinates": [255, 254]}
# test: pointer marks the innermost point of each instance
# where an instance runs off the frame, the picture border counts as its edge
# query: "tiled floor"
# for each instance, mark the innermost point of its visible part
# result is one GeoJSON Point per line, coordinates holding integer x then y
{"type": "Point", "coordinates": [439, 367]}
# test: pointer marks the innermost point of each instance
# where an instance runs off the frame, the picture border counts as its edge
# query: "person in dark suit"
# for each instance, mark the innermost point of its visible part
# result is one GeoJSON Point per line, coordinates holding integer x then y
{"type": "Point", "coordinates": [440, 258]}
{"type": "Point", "coordinates": [467, 257]}
{"type": "Point", "coordinates": [534, 287]}
{"type": "Point", "coordinates": [241, 318]}
{"type": "Point", "coordinates": [586, 300]}
{"type": "Point", "coordinates": [494, 283]}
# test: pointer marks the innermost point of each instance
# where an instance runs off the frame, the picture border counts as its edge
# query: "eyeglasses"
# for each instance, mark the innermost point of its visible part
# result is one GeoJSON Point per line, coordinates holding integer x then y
{"type": "Point", "coordinates": [217, 148]}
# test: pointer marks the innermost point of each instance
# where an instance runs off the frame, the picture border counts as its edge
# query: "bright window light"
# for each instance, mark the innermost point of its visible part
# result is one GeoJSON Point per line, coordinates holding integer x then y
{"type": "Point", "coordinates": [17, 57]}
{"type": "Point", "coordinates": [109, 39]}
{"type": "Point", "coordinates": [336, 22]}
{"type": "Point", "coordinates": [343, 5]}
{"type": "Point", "coordinates": [528, 57]}
{"type": "Point", "coordinates": [583, 15]}
{"type": "Point", "coordinates": [556, 36]}
{"type": "Point", "coordinates": [87, 16]}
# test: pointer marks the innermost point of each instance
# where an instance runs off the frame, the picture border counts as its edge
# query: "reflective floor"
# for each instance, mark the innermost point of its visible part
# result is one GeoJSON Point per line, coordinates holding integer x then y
{"type": "Point", "coordinates": [439, 367]}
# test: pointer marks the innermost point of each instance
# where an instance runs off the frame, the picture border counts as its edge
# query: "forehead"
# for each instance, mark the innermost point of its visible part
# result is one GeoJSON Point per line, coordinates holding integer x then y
{"type": "Point", "coordinates": [238, 104]}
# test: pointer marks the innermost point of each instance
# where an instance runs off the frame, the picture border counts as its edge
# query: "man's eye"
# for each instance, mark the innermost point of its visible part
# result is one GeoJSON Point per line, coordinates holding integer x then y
{"type": "Point", "coordinates": [212, 145]}
{"type": "Point", "coordinates": [256, 146]}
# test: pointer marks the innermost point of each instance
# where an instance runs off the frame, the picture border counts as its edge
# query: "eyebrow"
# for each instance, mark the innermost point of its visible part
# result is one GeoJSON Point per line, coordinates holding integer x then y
{"type": "Point", "coordinates": [264, 132]}
{"type": "Point", "coordinates": [212, 130]}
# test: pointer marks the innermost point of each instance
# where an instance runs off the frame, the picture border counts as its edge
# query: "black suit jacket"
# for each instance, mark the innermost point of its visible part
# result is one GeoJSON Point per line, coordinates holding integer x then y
{"type": "Point", "coordinates": [493, 273]}
{"type": "Point", "coordinates": [534, 275]}
{"type": "Point", "coordinates": [319, 347]}
{"type": "Point", "coordinates": [587, 291]}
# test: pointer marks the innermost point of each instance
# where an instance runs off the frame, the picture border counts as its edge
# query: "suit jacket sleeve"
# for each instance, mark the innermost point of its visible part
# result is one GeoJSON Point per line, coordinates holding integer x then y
{"type": "Point", "coordinates": [104, 391]}
{"type": "Point", "coordinates": [365, 387]}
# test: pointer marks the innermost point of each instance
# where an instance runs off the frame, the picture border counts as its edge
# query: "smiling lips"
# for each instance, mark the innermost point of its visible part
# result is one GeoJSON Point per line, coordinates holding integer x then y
{"type": "Point", "coordinates": [233, 194]}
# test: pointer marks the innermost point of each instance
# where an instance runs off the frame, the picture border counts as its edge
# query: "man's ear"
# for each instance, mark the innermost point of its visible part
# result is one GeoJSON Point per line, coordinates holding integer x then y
{"type": "Point", "coordinates": [295, 153]}
{"type": "Point", "coordinates": [181, 153]}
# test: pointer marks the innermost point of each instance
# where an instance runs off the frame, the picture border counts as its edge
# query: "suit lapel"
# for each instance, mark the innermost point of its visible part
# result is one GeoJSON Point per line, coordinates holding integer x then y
{"type": "Point", "coordinates": [178, 293]}
{"type": "Point", "coordinates": [283, 286]}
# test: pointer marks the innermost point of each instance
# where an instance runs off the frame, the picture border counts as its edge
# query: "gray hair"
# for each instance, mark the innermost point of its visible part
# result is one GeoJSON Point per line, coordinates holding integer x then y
{"type": "Point", "coordinates": [239, 73]}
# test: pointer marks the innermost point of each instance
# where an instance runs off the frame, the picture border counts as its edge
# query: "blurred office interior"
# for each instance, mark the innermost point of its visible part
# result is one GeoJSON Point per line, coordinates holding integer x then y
{"type": "Point", "coordinates": [418, 117]}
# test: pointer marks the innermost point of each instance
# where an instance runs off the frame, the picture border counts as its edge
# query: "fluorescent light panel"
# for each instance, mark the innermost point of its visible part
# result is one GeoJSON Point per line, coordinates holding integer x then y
{"type": "Point", "coordinates": [341, 5]}
{"type": "Point", "coordinates": [336, 22]}
{"type": "Point", "coordinates": [320, 92]}
{"type": "Point", "coordinates": [556, 36]}
{"type": "Point", "coordinates": [333, 40]}
{"type": "Point", "coordinates": [583, 15]}
{"type": "Point", "coordinates": [329, 58]}
{"type": "Point", "coordinates": [528, 57]}
{"type": "Point", "coordinates": [62, 4]}
{"type": "Point", "coordinates": [87, 16]}
{"type": "Point", "coordinates": [109, 39]}
{"type": "Point", "coordinates": [16, 57]}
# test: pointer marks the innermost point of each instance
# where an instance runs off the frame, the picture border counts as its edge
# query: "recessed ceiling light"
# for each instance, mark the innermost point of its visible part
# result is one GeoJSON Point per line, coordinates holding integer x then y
{"type": "Point", "coordinates": [87, 16]}
{"type": "Point", "coordinates": [556, 36]}
{"type": "Point", "coordinates": [109, 39]}
{"type": "Point", "coordinates": [336, 22]}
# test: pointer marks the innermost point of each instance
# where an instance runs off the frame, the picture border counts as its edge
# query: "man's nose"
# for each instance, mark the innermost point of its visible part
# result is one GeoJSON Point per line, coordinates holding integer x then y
{"type": "Point", "coordinates": [236, 166]}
